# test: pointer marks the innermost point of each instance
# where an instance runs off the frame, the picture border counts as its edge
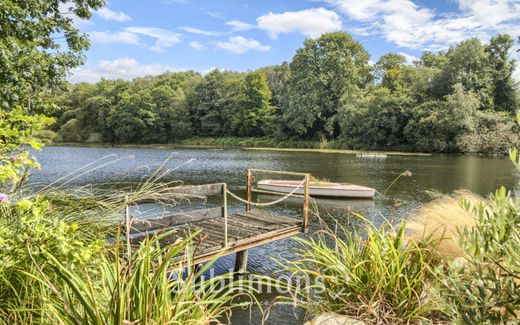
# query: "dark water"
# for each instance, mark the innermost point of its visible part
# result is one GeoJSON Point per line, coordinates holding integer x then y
{"type": "Point", "coordinates": [442, 173]}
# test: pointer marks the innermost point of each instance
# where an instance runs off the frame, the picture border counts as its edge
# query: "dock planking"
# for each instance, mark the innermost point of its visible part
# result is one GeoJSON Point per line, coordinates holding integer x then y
{"type": "Point", "coordinates": [245, 230]}
{"type": "Point", "coordinates": [219, 234]}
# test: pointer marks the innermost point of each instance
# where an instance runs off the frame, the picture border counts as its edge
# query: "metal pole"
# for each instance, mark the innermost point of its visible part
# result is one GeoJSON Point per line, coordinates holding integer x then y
{"type": "Point", "coordinates": [224, 190]}
{"type": "Point", "coordinates": [306, 202]}
{"type": "Point", "coordinates": [249, 188]}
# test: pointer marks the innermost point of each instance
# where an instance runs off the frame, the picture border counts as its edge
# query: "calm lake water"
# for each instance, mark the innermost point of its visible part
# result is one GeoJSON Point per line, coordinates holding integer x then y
{"type": "Point", "coordinates": [441, 173]}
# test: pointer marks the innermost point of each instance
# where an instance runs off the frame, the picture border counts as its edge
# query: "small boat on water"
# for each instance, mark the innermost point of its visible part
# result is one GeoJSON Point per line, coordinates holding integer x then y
{"type": "Point", "coordinates": [318, 188]}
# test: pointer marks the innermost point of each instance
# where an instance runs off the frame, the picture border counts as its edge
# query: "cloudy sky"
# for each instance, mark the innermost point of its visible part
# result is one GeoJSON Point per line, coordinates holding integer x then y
{"type": "Point", "coordinates": [132, 38]}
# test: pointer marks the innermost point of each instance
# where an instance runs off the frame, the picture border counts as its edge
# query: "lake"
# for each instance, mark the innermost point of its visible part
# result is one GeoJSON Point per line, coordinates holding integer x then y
{"type": "Point", "coordinates": [441, 173]}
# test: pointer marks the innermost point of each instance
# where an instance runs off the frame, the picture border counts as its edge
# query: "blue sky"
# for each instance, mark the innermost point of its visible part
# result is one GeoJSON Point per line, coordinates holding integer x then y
{"type": "Point", "coordinates": [131, 38]}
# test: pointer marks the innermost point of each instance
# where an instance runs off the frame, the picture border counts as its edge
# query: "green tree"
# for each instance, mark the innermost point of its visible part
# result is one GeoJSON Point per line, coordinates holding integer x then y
{"type": "Point", "coordinates": [467, 64]}
{"type": "Point", "coordinates": [256, 109]}
{"type": "Point", "coordinates": [38, 46]}
{"type": "Point", "coordinates": [325, 74]}
{"type": "Point", "coordinates": [505, 96]}
{"type": "Point", "coordinates": [214, 102]}
{"type": "Point", "coordinates": [436, 126]}
{"type": "Point", "coordinates": [388, 69]}
{"type": "Point", "coordinates": [432, 60]}
{"type": "Point", "coordinates": [376, 121]}
{"type": "Point", "coordinates": [133, 119]}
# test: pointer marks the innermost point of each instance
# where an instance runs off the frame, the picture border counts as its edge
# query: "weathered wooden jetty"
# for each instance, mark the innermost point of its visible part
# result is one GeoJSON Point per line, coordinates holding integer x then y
{"type": "Point", "coordinates": [222, 234]}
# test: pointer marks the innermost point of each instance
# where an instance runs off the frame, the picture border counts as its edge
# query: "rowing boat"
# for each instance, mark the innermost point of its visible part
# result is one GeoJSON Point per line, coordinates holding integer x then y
{"type": "Point", "coordinates": [318, 189]}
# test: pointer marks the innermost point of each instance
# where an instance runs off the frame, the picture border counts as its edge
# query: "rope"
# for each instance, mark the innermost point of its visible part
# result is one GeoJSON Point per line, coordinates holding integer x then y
{"type": "Point", "coordinates": [267, 203]}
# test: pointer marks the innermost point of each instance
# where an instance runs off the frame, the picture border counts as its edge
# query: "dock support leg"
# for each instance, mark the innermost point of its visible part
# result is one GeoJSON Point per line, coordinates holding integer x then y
{"type": "Point", "coordinates": [241, 261]}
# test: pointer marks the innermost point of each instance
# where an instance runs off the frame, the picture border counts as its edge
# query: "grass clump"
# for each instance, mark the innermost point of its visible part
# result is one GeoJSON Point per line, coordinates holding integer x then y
{"type": "Point", "coordinates": [149, 288]}
{"type": "Point", "coordinates": [379, 277]}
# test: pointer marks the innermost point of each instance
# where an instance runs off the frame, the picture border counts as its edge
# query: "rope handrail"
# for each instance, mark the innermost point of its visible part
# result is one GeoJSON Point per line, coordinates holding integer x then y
{"type": "Point", "coordinates": [267, 203]}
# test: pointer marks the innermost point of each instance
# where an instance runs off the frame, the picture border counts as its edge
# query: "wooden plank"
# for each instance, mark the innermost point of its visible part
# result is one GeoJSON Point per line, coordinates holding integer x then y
{"type": "Point", "coordinates": [201, 190]}
{"type": "Point", "coordinates": [254, 242]}
{"type": "Point", "coordinates": [175, 219]}
{"type": "Point", "coordinates": [265, 218]}
{"type": "Point", "coordinates": [268, 216]}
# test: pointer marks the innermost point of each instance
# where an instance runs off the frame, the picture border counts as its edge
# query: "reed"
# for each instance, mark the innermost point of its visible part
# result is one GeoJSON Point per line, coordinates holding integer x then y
{"type": "Point", "coordinates": [151, 288]}
{"type": "Point", "coordinates": [378, 277]}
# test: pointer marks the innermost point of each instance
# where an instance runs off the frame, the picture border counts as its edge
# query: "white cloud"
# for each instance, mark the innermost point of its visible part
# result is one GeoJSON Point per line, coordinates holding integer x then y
{"type": "Point", "coordinates": [111, 15]}
{"type": "Point", "coordinates": [409, 58]}
{"type": "Point", "coordinates": [123, 68]}
{"type": "Point", "coordinates": [409, 25]}
{"type": "Point", "coordinates": [238, 26]}
{"type": "Point", "coordinates": [309, 22]}
{"type": "Point", "coordinates": [240, 45]}
{"type": "Point", "coordinates": [164, 38]}
{"type": "Point", "coordinates": [118, 37]}
{"type": "Point", "coordinates": [197, 45]}
{"type": "Point", "coordinates": [199, 31]}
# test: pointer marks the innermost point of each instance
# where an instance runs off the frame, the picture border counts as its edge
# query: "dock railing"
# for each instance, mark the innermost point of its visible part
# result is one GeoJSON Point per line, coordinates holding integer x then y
{"type": "Point", "coordinates": [306, 191]}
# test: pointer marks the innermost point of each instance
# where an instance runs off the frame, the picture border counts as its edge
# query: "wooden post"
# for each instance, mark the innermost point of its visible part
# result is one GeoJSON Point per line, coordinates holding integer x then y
{"type": "Point", "coordinates": [249, 188]}
{"type": "Point", "coordinates": [306, 202]}
{"type": "Point", "coordinates": [241, 261]}
{"type": "Point", "coordinates": [225, 212]}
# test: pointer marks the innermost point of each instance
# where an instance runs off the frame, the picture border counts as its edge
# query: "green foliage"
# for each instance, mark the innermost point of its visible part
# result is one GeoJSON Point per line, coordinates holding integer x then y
{"type": "Point", "coordinates": [388, 69]}
{"type": "Point", "coordinates": [505, 96]}
{"type": "Point", "coordinates": [494, 133]}
{"type": "Point", "coordinates": [443, 102]}
{"type": "Point", "coordinates": [377, 277]}
{"type": "Point", "coordinates": [32, 62]}
{"type": "Point", "coordinates": [30, 228]}
{"type": "Point", "coordinates": [256, 109]}
{"type": "Point", "coordinates": [437, 125]}
{"type": "Point", "coordinates": [325, 74]}
{"type": "Point", "coordinates": [485, 288]}
{"type": "Point", "coordinates": [150, 288]}
{"type": "Point", "coordinates": [467, 64]}
{"type": "Point", "coordinates": [376, 121]}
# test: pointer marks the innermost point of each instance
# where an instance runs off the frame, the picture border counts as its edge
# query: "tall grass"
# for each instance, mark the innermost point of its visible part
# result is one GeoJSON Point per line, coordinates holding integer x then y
{"type": "Point", "coordinates": [57, 265]}
{"type": "Point", "coordinates": [441, 221]}
{"type": "Point", "coordinates": [379, 277]}
{"type": "Point", "coordinates": [151, 288]}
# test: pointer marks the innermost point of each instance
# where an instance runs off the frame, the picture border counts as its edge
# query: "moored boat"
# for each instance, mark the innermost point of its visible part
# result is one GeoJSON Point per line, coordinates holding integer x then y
{"type": "Point", "coordinates": [318, 188]}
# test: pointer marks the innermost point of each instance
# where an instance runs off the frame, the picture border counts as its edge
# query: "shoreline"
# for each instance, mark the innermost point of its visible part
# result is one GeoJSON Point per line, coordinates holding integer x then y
{"type": "Point", "coordinates": [234, 146]}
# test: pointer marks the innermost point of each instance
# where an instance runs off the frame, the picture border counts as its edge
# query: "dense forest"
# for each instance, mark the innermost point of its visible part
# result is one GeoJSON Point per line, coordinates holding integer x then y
{"type": "Point", "coordinates": [460, 100]}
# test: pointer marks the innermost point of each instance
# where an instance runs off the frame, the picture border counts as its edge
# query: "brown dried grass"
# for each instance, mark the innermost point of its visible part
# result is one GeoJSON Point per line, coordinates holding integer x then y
{"type": "Point", "coordinates": [441, 220]}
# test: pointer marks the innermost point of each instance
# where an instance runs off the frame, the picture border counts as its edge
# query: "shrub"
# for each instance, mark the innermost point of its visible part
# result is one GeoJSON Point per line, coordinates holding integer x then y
{"type": "Point", "coordinates": [380, 277]}
{"type": "Point", "coordinates": [71, 132]}
{"type": "Point", "coordinates": [149, 288]}
{"type": "Point", "coordinates": [46, 136]}
{"type": "Point", "coordinates": [486, 288]}
{"type": "Point", "coordinates": [28, 231]}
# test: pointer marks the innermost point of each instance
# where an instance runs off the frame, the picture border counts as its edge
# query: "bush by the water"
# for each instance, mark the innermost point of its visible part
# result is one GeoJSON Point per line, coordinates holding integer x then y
{"type": "Point", "coordinates": [376, 276]}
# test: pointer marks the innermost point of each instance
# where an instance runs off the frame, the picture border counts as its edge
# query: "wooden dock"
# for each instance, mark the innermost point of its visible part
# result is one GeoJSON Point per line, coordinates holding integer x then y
{"type": "Point", "coordinates": [220, 234]}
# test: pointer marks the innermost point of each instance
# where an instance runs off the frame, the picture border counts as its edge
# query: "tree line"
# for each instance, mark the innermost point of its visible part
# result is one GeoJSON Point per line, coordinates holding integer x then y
{"type": "Point", "coordinates": [460, 100]}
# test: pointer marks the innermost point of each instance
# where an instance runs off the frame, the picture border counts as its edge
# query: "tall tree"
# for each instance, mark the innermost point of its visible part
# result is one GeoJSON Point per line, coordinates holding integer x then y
{"type": "Point", "coordinates": [325, 74]}
{"type": "Point", "coordinates": [467, 64]}
{"type": "Point", "coordinates": [388, 69]}
{"type": "Point", "coordinates": [256, 108]}
{"type": "Point", "coordinates": [502, 64]}
{"type": "Point", "coordinates": [38, 46]}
